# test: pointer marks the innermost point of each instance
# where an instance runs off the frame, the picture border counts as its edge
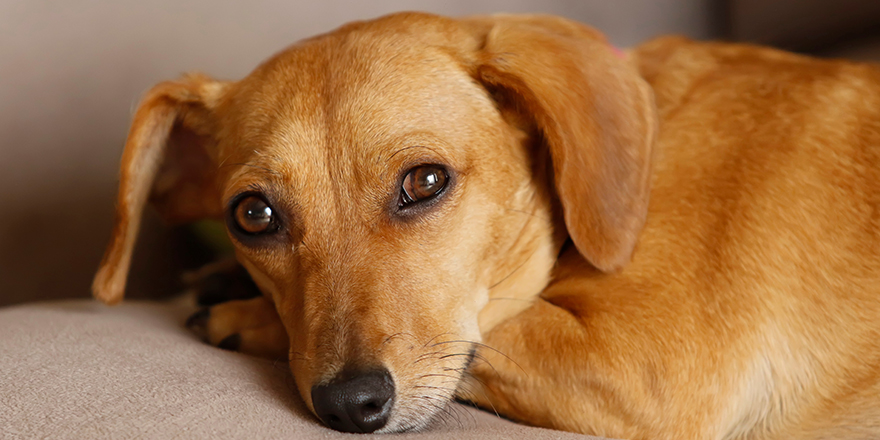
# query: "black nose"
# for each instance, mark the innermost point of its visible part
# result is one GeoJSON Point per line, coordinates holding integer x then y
{"type": "Point", "coordinates": [355, 401]}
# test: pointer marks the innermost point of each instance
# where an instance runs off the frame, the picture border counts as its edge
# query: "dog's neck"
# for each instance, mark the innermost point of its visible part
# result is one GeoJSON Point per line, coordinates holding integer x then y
{"type": "Point", "coordinates": [518, 291]}
{"type": "Point", "coordinates": [527, 265]}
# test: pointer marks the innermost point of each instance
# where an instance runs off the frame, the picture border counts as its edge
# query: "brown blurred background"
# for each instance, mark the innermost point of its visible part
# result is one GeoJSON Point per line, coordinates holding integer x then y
{"type": "Point", "coordinates": [71, 73]}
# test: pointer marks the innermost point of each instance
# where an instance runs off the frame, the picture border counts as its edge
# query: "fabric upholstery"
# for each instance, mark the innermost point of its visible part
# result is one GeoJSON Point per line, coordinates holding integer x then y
{"type": "Point", "coordinates": [78, 369]}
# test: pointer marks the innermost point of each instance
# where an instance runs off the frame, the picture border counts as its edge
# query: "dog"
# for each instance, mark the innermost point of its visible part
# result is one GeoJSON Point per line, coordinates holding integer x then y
{"type": "Point", "coordinates": [680, 240]}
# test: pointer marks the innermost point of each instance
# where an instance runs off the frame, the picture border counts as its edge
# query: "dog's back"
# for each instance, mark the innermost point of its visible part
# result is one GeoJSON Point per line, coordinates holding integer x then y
{"type": "Point", "coordinates": [763, 234]}
{"type": "Point", "coordinates": [751, 306]}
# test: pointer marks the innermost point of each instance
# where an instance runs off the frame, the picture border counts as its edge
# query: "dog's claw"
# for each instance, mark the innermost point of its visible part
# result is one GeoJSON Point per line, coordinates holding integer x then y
{"type": "Point", "coordinates": [198, 321]}
{"type": "Point", "coordinates": [231, 342]}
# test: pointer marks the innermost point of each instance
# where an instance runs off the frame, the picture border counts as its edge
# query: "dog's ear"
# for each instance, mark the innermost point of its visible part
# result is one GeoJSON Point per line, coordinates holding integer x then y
{"type": "Point", "coordinates": [169, 159]}
{"type": "Point", "coordinates": [597, 118]}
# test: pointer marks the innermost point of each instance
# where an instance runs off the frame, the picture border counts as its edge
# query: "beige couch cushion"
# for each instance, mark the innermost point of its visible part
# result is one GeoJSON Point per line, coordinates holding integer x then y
{"type": "Point", "coordinates": [78, 369]}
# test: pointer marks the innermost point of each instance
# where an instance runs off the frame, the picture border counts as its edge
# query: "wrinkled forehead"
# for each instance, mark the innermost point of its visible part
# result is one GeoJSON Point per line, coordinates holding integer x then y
{"type": "Point", "coordinates": [353, 100]}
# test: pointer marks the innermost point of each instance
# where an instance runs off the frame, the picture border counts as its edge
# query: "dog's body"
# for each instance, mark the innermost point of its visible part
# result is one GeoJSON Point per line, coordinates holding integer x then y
{"type": "Point", "coordinates": [750, 307]}
{"type": "Point", "coordinates": [751, 304]}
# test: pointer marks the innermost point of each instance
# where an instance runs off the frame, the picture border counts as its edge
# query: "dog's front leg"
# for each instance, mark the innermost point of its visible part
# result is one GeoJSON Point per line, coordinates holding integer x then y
{"type": "Point", "coordinates": [547, 367]}
{"type": "Point", "coordinates": [251, 326]}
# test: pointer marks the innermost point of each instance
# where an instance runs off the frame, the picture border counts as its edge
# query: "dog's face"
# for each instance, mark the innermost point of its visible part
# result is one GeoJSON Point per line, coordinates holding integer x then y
{"type": "Point", "coordinates": [398, 195]}
{"type": "Point", "coordinates": [390, 186]}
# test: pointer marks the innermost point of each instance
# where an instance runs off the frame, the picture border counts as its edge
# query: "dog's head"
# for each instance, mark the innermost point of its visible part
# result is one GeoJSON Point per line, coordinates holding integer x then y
{"type": "Point", "coordinates": [395, 186]}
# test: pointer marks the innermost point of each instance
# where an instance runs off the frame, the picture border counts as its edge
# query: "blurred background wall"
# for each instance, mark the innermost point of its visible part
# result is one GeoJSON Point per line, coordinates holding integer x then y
{"type": "Point", "coordinates": [72, 71]}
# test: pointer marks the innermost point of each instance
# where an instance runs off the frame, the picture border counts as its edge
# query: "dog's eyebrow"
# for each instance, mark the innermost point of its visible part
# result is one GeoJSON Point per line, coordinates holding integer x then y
{"type": "Point", "coordinates": [247, 164]}
{"type": "Point", "coordinates": [401, 150]}
{"type": "Point", "coordinates": [437, 152]}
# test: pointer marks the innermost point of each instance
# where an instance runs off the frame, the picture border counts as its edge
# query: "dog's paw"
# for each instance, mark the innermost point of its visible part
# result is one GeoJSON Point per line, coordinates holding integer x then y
{"type": "Point", "coordinates": [251, 326]}
{"type": "Point", "coordinates": [219, 282]}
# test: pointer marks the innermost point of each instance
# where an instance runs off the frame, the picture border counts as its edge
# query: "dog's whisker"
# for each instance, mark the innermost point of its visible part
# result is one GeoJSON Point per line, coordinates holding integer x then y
{"type": "Point", "coordinates": [482, 345]}
{"type": "Point", "coordinates": [435, 404]}
{"type": "Point", "coordinates": [435, 337]}
{"type": "Point", "coordinates": [515, 270]}
{"type": "Point", "coordinates": [431, 387]}
{"type": "Point", "coordinates": [435, 375]}
{"type": "Point", "coordinates": [445, 409]}
{"type": "Point", "coordinates": [475, 355]}
{"type": "Point", "coordinates": [432, 356]}
{"type": "Point", "coordinates": [461, 410]}
{"type": "Point", "coordinates": [481, 389]}
{"type": "Point", "coordinates": [449, 410]}
{"type": "Point", "coordinates": [478, 357]}
{"type": "Point", "coordinates": [441, 407]}
{"type": "Point", "coordinates": [451, 341]}
{"type": "Point", "coordinates": [396, 335]}
{"type": "Point", "coordinates": [468, 354]}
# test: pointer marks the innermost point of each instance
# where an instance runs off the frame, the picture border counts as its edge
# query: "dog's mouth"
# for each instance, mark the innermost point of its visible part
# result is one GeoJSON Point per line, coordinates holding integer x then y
{"type": "Point", "coordinates": [375, 400]}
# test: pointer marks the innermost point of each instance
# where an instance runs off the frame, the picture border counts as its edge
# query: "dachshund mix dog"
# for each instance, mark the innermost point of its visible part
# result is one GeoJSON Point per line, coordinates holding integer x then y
{"type": "Point", "coordinates": [681, 241]}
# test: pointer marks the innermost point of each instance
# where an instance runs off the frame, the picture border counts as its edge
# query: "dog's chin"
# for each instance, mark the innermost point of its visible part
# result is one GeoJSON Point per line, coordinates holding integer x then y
{"type": "Point", "coordinates": [415, 419]}
{"type": "Point", "coordinates": [419, 409]}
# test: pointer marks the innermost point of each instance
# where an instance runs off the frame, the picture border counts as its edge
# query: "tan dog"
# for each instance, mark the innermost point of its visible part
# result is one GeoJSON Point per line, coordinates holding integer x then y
{"type": "Point", "coordinates": [402, 190]}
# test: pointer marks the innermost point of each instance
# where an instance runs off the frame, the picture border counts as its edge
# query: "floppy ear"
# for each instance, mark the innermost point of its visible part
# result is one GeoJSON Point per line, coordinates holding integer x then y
{"type": "Point", "coordinates": [596, 115]}
{"type": "Point", "coordinates": [169, 159]}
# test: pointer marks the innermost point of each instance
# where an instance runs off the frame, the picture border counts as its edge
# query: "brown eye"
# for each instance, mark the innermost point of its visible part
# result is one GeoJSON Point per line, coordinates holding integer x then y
{"type": "Point", "coordinates": [254, 216]}
{"type": "Point", "coordinates": [422, 183]}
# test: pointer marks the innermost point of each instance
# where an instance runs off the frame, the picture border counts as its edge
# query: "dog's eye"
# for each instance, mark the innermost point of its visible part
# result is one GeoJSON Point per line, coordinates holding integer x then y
{"type": "Point", "coordinates": [422, 183]}
{"type": "Point", "coordinates": [254, 216]}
